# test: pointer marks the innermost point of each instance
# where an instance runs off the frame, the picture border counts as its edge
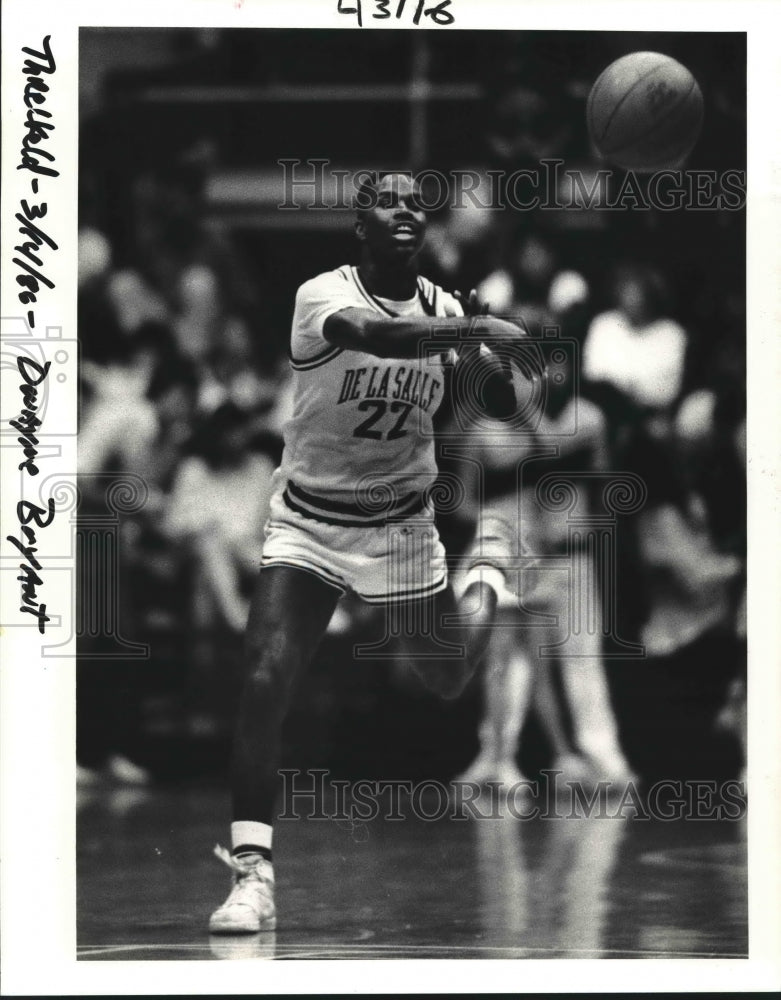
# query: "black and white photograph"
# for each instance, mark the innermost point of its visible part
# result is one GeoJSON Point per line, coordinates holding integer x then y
{"type": "Point", "coordinates": [390, 504]}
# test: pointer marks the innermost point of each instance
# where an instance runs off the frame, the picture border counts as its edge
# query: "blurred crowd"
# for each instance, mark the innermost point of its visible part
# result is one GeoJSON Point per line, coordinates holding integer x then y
{"type": "Point", "coordinates": [175, 391]}
{"type": "Point", "coordinates": [184, 385]}
{"type": "Point", "coordinates": [625, 403]}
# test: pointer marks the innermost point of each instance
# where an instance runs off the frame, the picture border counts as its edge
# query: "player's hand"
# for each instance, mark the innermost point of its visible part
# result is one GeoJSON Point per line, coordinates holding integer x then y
{"type": "Point", "coordinates": [471, 305]}
{"type": "Point", "coordinates": [491, 328]}
{"type": "Point", "coordinates": [513, 344]}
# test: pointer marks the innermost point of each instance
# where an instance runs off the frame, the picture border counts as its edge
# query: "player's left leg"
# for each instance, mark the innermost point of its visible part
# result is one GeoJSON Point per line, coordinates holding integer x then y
{"type": "Point", "coordinates": [446, 639]}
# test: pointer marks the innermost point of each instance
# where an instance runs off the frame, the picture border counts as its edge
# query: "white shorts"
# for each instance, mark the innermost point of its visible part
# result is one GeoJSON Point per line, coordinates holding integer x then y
{"type": "Point", "coordinates": [401, 560]}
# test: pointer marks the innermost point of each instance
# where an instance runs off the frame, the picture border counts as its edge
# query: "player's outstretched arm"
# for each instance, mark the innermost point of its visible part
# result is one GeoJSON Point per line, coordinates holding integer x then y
{"type": "Point", "coordinates": [400, 337]}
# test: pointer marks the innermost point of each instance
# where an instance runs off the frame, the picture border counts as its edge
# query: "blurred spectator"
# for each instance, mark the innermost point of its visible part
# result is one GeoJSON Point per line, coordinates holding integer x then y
{"type": "Point", "coordinates": [710, 431]}
{"type": "Point", "coordinates": [135, 301]}
{"type": "Point", "coordinates": [117, 432]}
{"type": "Point", "coordinates": [692, 630]}
{"type": "Point", "coordinates": [528, 126]}
{"type": "Point", "coordinates": [94, 256]}
{"type": "Point", "coordinates": [173, 391]}
{"type": "Point", "coordinates": [533, 284]}
{"type": "Point", "coordinates": [633, 368]}
{"type": "Point", "coordinates": [218, 507]}
{"type": "Point", "coordinates": [635, 348]}
{"type": "Point", "coordinates": [100, 333]}
{"type": "Point", "coordinates": [688, 579]}
{"type": "Point", "coordinates": [231, 372]}
{"type": "Point", "coordinates": [466, 241]}
{"type": "Point", "coordinates": [199, 313]}
{"type": "Point", "coordinates": [119, 424]}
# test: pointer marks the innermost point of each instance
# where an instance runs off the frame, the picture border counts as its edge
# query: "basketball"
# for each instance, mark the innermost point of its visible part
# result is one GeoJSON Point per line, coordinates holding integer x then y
{"type": "Point", "coordinates": [644, 112]}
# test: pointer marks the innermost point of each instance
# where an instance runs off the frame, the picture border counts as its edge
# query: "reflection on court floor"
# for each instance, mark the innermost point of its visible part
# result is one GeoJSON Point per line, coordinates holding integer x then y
{"type": "Point", "coordinates": [491, 888]}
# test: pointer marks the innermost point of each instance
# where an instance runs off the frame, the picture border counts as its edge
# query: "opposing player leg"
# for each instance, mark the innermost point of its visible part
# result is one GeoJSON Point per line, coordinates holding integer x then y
{"type": "Point", "coordinates": [289, 613]}
{"type": "Point", "coordinates": [594, 725]}
{"type": "Point", "coordinates": [507, 690]}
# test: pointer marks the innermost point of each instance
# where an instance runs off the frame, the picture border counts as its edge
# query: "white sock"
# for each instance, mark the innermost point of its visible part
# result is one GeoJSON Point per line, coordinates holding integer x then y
{"type": "Point", "coordinates": [245, 831]}
{"type": "Point", "coordinates": [489, 575]}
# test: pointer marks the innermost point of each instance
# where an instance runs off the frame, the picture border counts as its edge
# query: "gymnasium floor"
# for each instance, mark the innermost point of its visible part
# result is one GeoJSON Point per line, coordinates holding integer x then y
{"type": "Point", "coordinates": [491, 888]}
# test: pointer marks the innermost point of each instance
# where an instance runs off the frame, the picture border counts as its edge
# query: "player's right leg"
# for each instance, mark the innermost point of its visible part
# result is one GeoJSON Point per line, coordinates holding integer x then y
{"type": "Point", "coordinates": [444, 639]}
{"type": "Point", "coordinates": [289, 614]}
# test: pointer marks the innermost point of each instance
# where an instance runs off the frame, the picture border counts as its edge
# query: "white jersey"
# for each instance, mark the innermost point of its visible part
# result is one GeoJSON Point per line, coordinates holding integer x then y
{"type": "Point", "coordinates": [361, 442]}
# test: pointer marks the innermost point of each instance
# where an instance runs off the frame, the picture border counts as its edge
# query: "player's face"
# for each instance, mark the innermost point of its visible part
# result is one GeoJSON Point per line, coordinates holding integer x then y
{"type": "Point", "coordinates": [394, 226]}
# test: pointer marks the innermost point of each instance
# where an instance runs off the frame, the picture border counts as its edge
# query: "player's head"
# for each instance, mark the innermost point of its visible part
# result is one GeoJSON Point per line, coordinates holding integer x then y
{"type": "Point", "coordinates": [390, 221]}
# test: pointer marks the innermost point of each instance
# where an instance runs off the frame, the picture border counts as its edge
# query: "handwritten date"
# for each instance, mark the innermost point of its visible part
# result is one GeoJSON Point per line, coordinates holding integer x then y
{"type": "Point", "coordinates": [438, 13]}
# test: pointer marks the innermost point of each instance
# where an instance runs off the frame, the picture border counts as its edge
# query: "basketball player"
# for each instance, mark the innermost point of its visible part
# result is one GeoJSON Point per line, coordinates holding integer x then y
{"type": "Point", "coordinates": [349, 509]}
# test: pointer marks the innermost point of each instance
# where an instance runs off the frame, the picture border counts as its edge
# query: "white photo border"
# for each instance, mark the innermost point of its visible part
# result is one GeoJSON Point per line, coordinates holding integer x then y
{"type": "Point", "coordinates": [38, 693]}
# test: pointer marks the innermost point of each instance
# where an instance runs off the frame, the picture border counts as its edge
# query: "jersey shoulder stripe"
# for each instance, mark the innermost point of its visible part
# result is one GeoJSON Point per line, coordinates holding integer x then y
{"type": "Point", "coordinates": [325, 352]}
{"type": "Point", "coordinates": [306, 364]}
{"type": "Point", "coordinates": [427, 294]}
{"type": "Point", "coordinates": [428, 288]}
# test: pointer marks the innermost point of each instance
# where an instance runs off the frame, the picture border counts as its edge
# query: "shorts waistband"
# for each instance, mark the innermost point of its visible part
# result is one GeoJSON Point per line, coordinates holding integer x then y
{"type": "Point", "coordinates": [371, 513]}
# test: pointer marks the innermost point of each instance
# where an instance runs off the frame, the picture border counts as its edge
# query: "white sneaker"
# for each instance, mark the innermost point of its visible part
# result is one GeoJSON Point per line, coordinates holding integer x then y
{"type": "Point", "coordinates": [486, 770]}
{"type": "Point", "coordinates": [243, 946]}
{"type": "Point", "coordinates": [612, 767]}
{"type": "Point", "coordinates": [509, 776]}
{"type": "Point", "coordinates": [480, 771]}
{"type": "Point", "coordinates": [250, 906]}
{"type": "Point", "coordinates": [574, 768]}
